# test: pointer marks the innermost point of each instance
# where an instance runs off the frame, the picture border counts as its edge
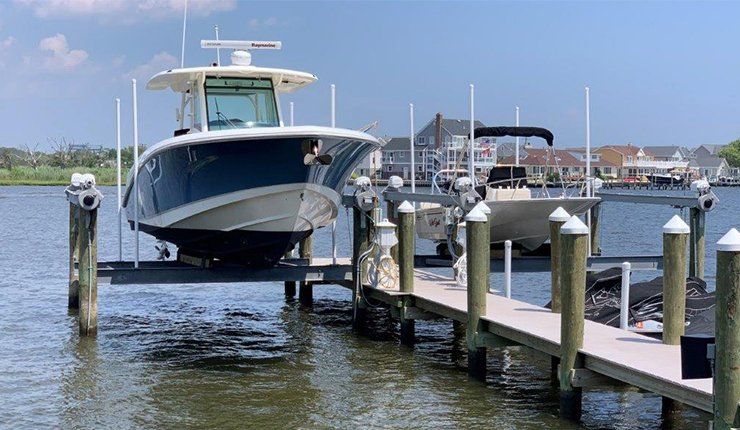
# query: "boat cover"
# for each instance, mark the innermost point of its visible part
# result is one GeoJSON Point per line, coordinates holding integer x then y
{"type": "Point", "coordinates": [515, 132]}
{"type": "Point", "coordinates": [603, 291]}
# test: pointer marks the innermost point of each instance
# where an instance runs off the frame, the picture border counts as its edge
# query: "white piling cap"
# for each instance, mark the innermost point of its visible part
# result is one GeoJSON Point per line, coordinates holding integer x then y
{"type": "Point", "coordinates": [406, 208]}
{"type": "Point", "coordinates": [730, 242]}
{"type": "Point", "coordinates": [477, 214]}
{"type": "Point", "coordinates": [574, 225]}
{"type": "Point", "coordinates": [559, 215]}
{"type": "Point", "coordinates": [676, 226]}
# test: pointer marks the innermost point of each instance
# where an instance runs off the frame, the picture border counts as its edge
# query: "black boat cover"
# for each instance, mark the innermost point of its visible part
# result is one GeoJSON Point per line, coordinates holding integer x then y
{"type": "Point", "coordinates": [515, 132]}
{"type": "Point", "coordinates": [603, 292]}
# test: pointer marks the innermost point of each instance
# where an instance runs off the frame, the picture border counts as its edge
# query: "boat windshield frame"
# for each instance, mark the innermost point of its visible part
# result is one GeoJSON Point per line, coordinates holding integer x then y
{"type": "Point", "coordinates": [260, 92]}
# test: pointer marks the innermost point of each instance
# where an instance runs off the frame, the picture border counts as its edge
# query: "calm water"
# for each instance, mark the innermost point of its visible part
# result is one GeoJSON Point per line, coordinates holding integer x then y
{"type": "Point", "coordinates": [241, 356]}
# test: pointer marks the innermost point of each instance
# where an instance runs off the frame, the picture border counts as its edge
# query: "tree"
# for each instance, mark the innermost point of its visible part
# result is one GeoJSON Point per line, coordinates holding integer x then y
{"type": "Point", "coordinates": [6, 158]}
{"type": "Point", "coordinates": [62, 155]}
{"type": "Point", "coordinates": [731, 153]}
{"type": "Point", "coordinates": [32, 156]}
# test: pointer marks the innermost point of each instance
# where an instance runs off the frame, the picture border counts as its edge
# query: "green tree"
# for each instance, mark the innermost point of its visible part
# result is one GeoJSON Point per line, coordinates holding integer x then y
{"type": "Point", "coordinates": [731, 153]}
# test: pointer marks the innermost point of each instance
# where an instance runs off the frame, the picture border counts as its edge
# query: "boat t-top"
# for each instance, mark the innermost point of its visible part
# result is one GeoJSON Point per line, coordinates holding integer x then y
{"type": "Point", "coordinates": [234, 182]}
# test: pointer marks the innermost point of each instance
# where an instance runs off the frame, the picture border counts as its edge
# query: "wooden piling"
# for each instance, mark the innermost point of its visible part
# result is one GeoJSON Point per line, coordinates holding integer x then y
{"type": "Point", "coordinates": [392, 215]}
{"type": "Point", "coordinates": [595, 242]}
{"type": "Point", "coordinates": [573, 254]}
{"type": "Point", "coordinates": [73, 301]}
{"type": "Point", "coordinates": [675, 236]}
{"type": "Point", "coordinates": [290, 289]}
{"type": "Point", "coordinates": [305, 249]}
{"type": "Point", "coordinates": [697, 242]}
{"type": "Point", "coordinates": [557, 218]}
{"type": "Point", "coordinates": [727, 364]}
{"type": "Point", "coordinates": [478, 267]}
{"type": "Point", "coordinates": [406, 247]}
{"type": "Point", "coordinates": [88, 272]}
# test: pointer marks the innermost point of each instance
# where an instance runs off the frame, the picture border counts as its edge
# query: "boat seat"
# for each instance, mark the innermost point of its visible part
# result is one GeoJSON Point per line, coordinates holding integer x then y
{"type": "Point", "coordinates": [427, 205]}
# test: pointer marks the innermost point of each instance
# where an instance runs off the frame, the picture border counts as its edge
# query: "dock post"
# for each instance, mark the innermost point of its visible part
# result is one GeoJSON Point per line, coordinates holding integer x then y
{"type": "Point", "coordinates": [88, 272]}
{"type": "Point", "coordinates": [697, 243]}
{"type": "Point", "coordinates": [305, 293]}
{"type": "Point", "coordinates": [727, 355]}
{"type": "Point", "coordinates": [289, 285]}
{"type": "Point", "coordinates": [675, 235]}
{"type": "Point", "coordinates": [595, 243]}
{"type": "Point", "coordinates": [406, 231]}
{"type": "Point", "coordinates": [573, 252]}
{"type": "Point", "coordinates": [479, 265]}
{"type": "Point", "coordinates": [557, 218]}
{"type": "Point", "coordinates": [395, 183]}
{"type": "Point", "coordinates": [74, 299]}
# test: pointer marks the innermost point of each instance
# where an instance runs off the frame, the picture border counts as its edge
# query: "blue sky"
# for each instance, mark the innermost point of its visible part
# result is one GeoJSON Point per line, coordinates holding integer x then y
{"type": "Point", "coordinates": [660, 73]}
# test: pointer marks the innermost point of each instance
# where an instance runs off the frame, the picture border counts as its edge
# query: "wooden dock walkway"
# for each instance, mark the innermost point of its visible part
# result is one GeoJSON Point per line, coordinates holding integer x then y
{"type": "Point", "coordinates": [628, 357]}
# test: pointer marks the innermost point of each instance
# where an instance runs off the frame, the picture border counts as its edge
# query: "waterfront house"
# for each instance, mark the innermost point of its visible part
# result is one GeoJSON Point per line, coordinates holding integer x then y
{"type": "Point", "coordinates": [569, 163]}
{"type": "Point", "coordinates": [710, 166]}
{"type": "Point", "coordinates": [668, 152]}
{"type": "Point", "coordinates": [396, 161]}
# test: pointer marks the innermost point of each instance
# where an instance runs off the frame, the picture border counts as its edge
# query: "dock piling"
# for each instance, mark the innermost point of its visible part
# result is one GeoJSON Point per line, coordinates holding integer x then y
{"type": "Point", "coordinates": [727, 362]}
{"type": "Point", "coordinates": [595, 216]}
{"type": "Point", "coordinates": [406, 248]}
{"type": "Point", "coordinates": [73, 300]}
{"type": "Point", "coordinates": [305, 249]}
{"type": "Point", "coordinates": [88, 272]}
{"type": "Point", "coordinates": [573, 249]}
{"type": "Point", "coordinates": [675, 235]}
{"type": "Point", "coordinates": [290, 289]}
{"type": "Point", "coordinates": [697, 245]}
{"type": "Point", "coordinates": [557, 218]}
{"type": "Point", "coordinates": [478, 267]}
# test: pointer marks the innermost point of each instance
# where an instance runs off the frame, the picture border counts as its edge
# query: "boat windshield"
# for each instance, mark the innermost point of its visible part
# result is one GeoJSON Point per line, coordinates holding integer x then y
{"type": "Point", "coordinates": [240, 103]}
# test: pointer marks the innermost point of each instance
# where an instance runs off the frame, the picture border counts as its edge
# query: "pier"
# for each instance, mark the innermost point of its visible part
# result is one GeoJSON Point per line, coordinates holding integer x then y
{"type": "Point", "coordinates": [584, 353]}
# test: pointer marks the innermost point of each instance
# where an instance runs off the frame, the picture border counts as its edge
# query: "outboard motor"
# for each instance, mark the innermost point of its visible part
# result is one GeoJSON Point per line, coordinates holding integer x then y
{"type": "Point", "coordinates": [707, 199]}
{"type": "Point", "coordinates": [468, 197]}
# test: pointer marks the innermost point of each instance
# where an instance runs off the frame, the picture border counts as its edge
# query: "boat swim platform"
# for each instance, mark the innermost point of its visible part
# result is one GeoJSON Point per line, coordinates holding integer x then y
{"type": "Point", "coordinates": [609, 352]}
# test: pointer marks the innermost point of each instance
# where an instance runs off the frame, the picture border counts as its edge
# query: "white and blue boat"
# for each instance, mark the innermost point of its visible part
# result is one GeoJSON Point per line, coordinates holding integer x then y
{"type": "Point", "coordinates": [235, 183]}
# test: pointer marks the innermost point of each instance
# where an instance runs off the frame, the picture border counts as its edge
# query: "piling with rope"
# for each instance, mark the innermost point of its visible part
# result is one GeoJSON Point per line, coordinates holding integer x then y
{"type": "Point", "coordinates": [406, 247]}
{"type": "Point", "coordinates": [727, 364]}
{"type": "Point", "coordinates": [478, 269]}
{"type": "Point", "coordinates": [573, 249]}
{"type": "Point", "coordinates": [84, 200]}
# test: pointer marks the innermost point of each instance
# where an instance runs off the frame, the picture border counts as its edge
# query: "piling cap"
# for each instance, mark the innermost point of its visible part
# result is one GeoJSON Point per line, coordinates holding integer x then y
{"type": "Point", "coordinates": [574, 225]}
{"type": "Point", "coordinates": [483, 207]}
{"type": "Point", "coordinates": [676, 226]}
{"type": "Point", "coordinates": [406, 208]}
{"type": "Point", "coordinates": [559, 215]}
{"type": "Point", "coordinates": [730, 242]}
{"type": "Point", "coordinates": [477, 214]}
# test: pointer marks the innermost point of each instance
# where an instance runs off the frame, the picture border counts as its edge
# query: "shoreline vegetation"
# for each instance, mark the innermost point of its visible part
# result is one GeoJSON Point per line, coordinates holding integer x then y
{"type": "Point", "coordinates": [51, 175]}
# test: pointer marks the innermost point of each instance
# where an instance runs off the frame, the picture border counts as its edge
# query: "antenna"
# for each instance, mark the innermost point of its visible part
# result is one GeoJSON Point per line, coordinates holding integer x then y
{"type": "Point", "coordinates": [184, 25]}
{"type": "Point", "coordinates": [218, 50]}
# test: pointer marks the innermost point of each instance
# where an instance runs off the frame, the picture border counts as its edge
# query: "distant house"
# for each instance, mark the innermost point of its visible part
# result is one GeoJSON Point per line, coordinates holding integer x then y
{"type": "Point", "coordinates": [634, 161]}
{"type": "Point", "coordinates": [370, 165]}
{"type": "Point", "coordinates": [599, 166]}
{"type": "Point", "coordinates": [710, 166]}
{"type": "Point", "coordinates": [668, 152]}
{"type": "Point", "coordinates": [570, 163]}
{"type": "Point", "coordinates": [706, 150]}
{"type": "Point", "coordinates": [454, 134]}
{"type": "Point", "coordinates": [396, 161]}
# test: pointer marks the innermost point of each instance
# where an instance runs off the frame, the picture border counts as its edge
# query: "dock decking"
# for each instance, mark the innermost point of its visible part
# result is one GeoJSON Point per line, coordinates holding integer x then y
{"type": "Point", "coordinates": [632, 358]}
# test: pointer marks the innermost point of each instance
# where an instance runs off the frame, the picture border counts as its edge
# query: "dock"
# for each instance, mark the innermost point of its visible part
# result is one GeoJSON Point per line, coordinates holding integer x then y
{"type": "Point", "coordinates": [384, 268]}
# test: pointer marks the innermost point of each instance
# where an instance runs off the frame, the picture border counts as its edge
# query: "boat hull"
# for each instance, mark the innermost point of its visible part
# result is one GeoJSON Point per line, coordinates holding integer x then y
{"type": "Point", "coordinates": [524, 222]}
{"type": "Point", "coordinates": [243, 199]}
